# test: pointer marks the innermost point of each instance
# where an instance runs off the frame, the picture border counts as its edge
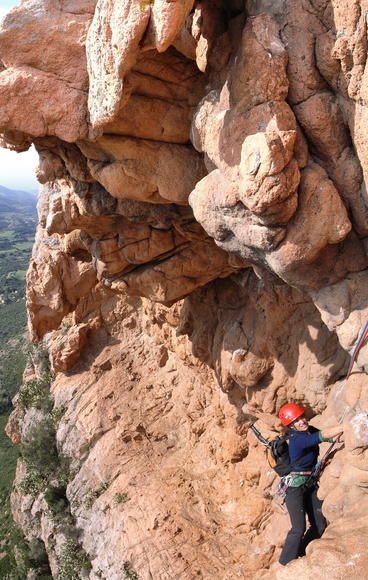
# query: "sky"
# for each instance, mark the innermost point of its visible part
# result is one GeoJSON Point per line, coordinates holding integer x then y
{"type": "Point", "coordinates": [6, 5]}
{"type": "Point", "coordinates": [17, 169]}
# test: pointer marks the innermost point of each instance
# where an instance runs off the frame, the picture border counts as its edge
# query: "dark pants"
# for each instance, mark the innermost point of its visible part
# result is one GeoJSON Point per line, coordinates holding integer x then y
{"type": "Point", "coordinates": [301, 502]}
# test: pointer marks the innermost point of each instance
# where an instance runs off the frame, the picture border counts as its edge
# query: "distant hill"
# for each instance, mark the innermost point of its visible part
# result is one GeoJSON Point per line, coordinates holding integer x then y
{"type": "Point", "coordinates": [18, 222]}
{"type": "Point", "coordinates": [14, 199]}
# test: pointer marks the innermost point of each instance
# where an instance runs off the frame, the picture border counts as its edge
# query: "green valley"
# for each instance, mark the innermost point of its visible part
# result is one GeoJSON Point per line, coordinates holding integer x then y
{"type": "Point", "coordinates": [18, 221]}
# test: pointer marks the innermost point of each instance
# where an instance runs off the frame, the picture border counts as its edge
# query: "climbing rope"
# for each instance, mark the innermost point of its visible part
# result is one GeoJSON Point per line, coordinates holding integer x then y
{"type": "Point", "coordinates": [361, 339]}
{"type": "Point", "coordinates": [322, 462]}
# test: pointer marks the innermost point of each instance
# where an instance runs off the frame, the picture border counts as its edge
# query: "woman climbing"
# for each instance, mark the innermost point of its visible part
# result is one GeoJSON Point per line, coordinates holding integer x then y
{"type": "Point", "coordinates": [301, 499]}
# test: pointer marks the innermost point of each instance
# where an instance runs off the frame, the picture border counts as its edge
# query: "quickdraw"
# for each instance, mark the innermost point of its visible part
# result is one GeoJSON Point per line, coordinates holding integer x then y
{"type": "Point", "coordinates": [278, 496]}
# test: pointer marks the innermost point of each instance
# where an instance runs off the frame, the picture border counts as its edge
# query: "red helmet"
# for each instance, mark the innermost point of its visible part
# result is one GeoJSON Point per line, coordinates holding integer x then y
{"type": "Point", "coordinates": [289, 413]}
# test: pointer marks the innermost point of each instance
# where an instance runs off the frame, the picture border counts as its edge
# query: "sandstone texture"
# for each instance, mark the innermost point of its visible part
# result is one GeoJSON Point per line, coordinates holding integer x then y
{"type": "Point", "coordinates": [201, 258]}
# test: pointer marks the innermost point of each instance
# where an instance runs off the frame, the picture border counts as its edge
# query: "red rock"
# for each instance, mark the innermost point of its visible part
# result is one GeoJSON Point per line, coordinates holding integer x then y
{"type": "Point", "coordinates": [201, 250]}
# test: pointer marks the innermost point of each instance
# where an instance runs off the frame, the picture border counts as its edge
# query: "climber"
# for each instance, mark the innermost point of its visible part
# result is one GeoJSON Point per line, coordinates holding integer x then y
{"type": "Point", "coordinates": [301, 495]}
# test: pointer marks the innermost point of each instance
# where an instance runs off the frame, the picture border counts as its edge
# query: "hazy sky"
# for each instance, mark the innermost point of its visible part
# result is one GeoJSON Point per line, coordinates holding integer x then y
{"type": "Point", "coordinates": [17, 169]}
{"type": "Point", "coordinates": [5, 6]}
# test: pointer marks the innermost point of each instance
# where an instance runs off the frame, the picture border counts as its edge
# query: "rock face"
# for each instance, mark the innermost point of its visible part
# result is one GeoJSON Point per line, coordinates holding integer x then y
{"type": "Point", "coordinates": [201, 250]}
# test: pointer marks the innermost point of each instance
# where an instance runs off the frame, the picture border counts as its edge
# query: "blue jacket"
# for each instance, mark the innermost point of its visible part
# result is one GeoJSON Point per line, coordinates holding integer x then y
{"type": "Point", "coordinates": [304, 445]}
